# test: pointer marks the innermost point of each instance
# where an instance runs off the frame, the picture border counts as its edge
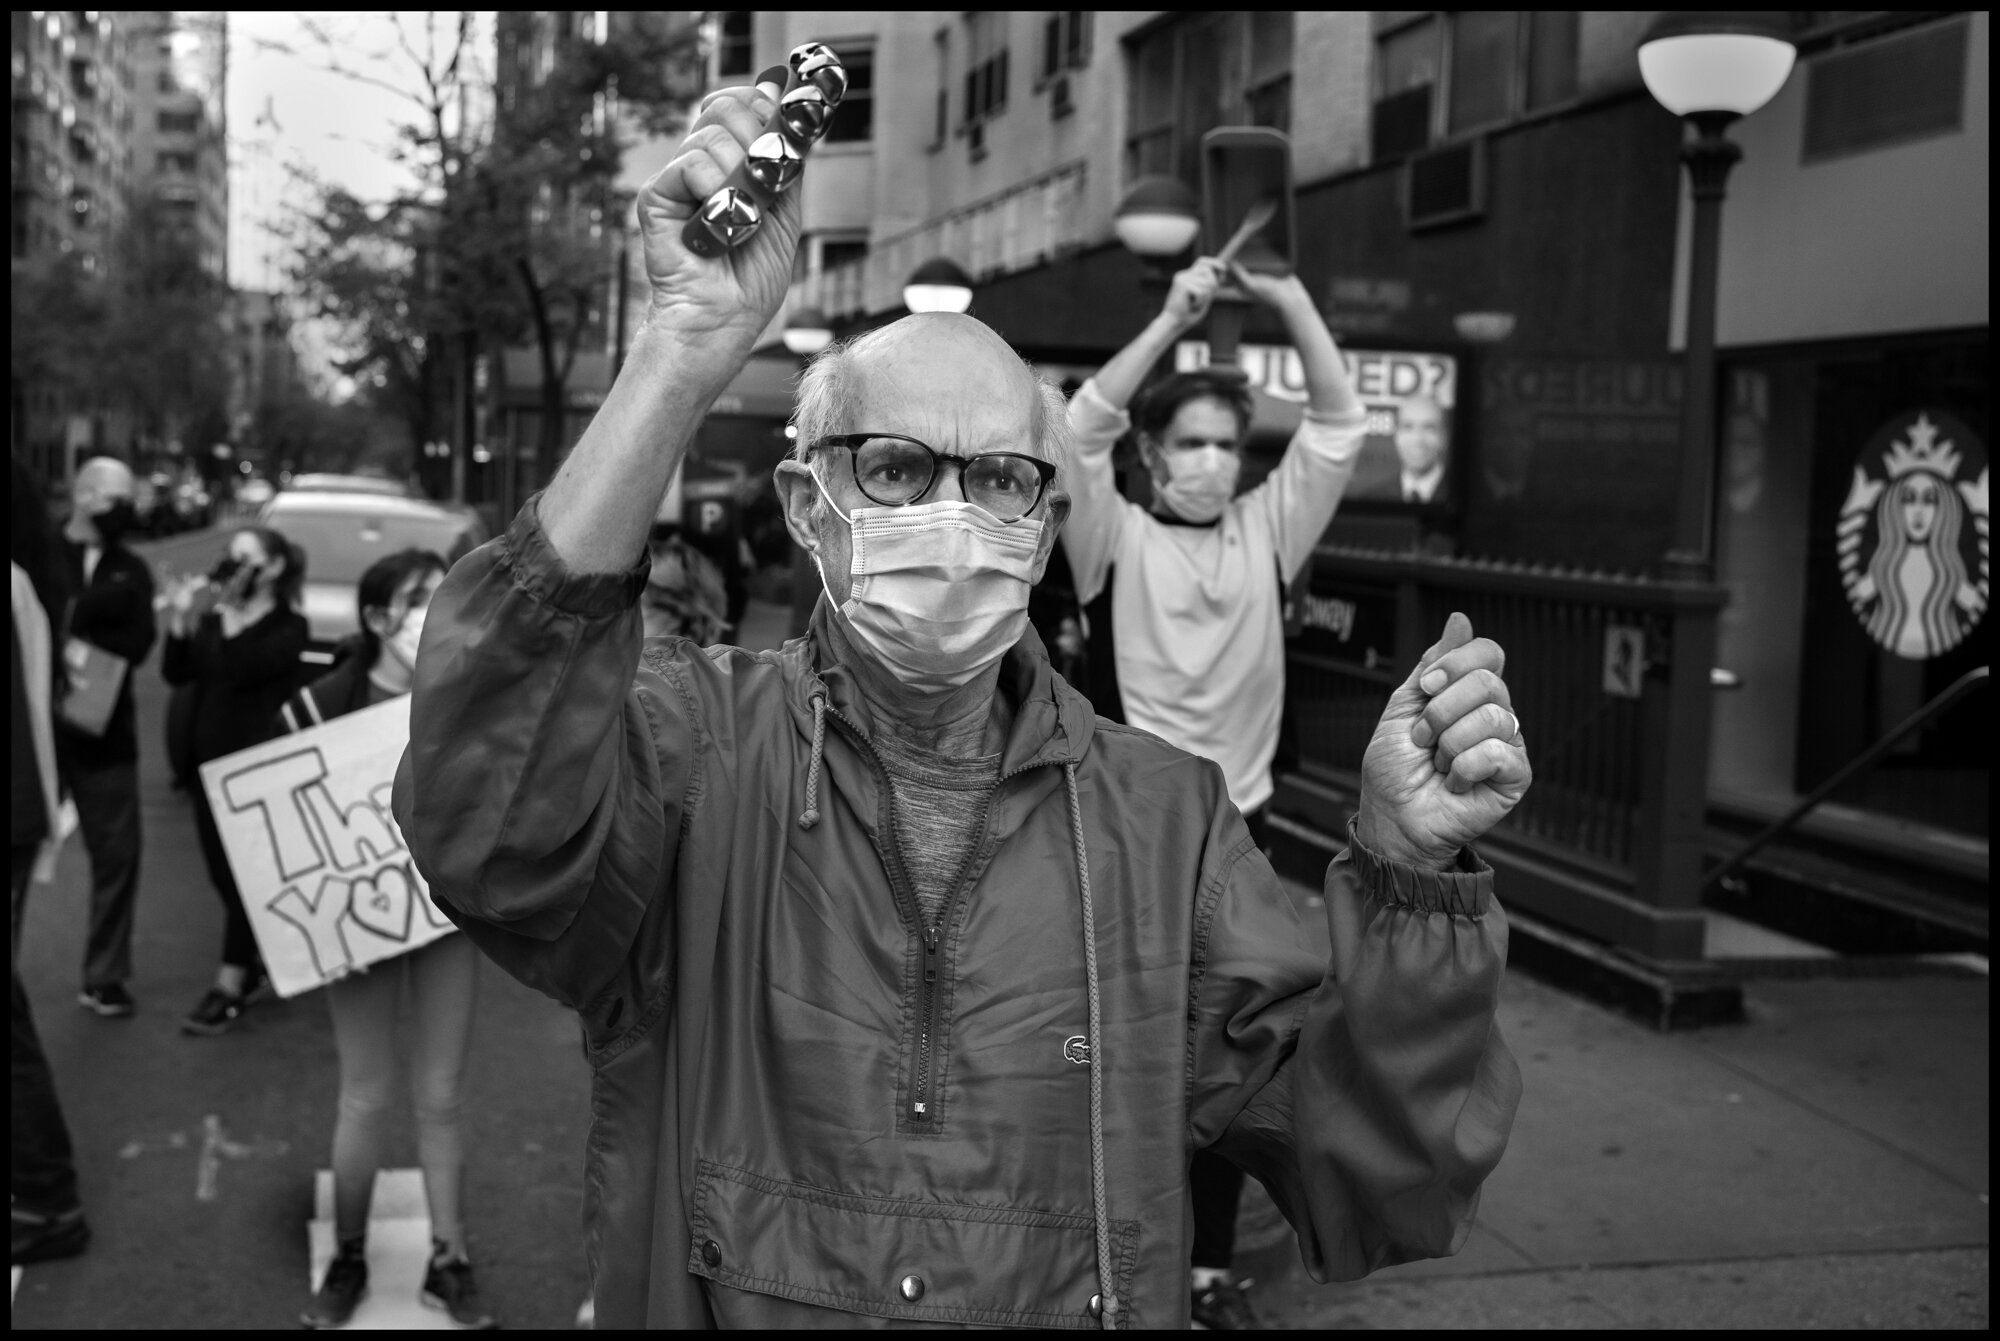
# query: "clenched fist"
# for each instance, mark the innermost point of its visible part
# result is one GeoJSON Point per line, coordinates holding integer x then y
{"type": "Point", "coordinates": [1448, 759]}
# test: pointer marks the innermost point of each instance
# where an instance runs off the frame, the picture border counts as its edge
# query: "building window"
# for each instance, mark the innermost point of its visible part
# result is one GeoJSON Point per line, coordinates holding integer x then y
{"type": "Point", "coordinates": [854, 122]}
{"type": "Point", "coordinates": [1065, 41]}
{"type": "Point", "coordinates": [986, 65]}
{"type": "Point", "coordinates": [842, 251]}
{"type": "Point", "coordinates": [1887, 90]}
{"type": "Point", "coordinates": [1441, 76]}
{"type": "Point", "coordinates": [733, 42]}
{"type": "Point", "coordinates": [1267, 95]}
{"type": "Point", "coordinates": [1192, 75]}
{"type": "Point", "coordinates": [175, 123]}
{"type": "Point", "coordinates": [942, 42]}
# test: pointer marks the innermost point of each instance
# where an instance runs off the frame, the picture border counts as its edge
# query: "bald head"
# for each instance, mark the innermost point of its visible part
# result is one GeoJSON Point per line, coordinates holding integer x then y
{"type": "Point", "coordinates": [941, 377]}
{"type": "Point", "coordinates": [101, 481]}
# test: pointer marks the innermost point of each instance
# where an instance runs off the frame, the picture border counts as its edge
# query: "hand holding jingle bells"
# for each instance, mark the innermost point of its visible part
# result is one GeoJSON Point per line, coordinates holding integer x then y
{"type": "Point", "coordinates": [776, 158]}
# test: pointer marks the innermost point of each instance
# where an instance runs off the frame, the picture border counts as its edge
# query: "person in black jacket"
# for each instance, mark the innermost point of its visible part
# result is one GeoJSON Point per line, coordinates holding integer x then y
{"type": "Point", "coordinates": [112, 609]}
{"type": "Point", "coordinates": [236, 636]}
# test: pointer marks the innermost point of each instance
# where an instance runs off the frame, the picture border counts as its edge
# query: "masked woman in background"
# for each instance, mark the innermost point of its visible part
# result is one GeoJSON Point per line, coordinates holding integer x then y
{"type": "Point", "coordinates": [440, 979]}
{"type": "Point", "coordinates": [235, 636]}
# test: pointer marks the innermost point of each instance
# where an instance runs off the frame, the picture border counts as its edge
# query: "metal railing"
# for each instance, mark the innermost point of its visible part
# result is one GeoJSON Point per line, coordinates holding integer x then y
{"type": "Point", "coordinates": [1620, 752]}
{"type": "Point", "coordinates": [1959, 689]}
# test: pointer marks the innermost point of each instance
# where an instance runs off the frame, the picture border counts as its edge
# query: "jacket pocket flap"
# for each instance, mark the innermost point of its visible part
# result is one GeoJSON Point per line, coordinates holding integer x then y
{"type": "Point", "coordinates": [928, 1261]}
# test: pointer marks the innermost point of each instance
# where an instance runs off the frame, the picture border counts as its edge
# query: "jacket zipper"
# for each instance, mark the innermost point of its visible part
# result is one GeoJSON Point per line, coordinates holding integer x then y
{"type": "Point", "coordinates": [922, 1096]}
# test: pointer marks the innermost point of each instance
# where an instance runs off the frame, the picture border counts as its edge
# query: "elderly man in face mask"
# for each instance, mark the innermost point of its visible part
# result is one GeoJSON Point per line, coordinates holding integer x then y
{"type": "Point", "coordinates": [908, 986]}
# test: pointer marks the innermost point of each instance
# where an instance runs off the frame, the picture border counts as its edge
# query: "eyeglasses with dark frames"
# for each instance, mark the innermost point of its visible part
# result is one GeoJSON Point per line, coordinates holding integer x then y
{"type": "Point", "coordinates": [896, 471]}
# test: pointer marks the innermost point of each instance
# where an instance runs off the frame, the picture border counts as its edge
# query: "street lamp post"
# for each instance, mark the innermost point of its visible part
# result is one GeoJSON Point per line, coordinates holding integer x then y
{"type": "Point", "coordinates": [1709, 68]}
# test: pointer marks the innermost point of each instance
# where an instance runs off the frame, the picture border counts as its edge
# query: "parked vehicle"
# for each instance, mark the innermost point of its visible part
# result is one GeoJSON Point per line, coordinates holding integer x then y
{"type": "Point", "coordinates": [343, 533]}
{"type": "Point", "coordinates": [313, 482]}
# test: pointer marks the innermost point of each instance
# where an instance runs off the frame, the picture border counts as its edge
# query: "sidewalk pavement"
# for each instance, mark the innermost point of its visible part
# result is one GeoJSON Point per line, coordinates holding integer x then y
{"type": "Point", "coordinates": [1822, 1165]}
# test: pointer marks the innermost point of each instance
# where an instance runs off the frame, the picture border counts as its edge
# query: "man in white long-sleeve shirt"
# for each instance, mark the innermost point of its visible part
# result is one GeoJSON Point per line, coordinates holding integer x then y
{"type": "Point", "coordinates": [1196, 585]}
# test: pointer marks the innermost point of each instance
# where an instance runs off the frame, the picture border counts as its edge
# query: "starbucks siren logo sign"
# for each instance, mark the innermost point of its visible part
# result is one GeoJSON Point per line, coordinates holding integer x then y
{"type": "Point", "coordinates": [1914, 535]}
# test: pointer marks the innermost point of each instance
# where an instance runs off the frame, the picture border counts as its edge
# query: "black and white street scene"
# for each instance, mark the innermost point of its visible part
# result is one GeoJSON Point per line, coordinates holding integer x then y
{"type": "Point", "coordinates": [1085, 669]}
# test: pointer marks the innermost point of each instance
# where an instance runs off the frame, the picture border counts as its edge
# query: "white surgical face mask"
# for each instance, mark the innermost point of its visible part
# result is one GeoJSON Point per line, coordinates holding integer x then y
{"type": "Point", "coordinates": [402, 644]}
{"type": "Point", "coordinates": [939, 590]}
{"type": "Point", "coordinates": [1201, 482]}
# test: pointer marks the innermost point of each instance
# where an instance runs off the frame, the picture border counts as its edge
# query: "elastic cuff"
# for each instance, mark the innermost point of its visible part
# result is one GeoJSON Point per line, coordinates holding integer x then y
{"type": "Point", "coordinates": [538, 570]}
{"type": "Point", "coordinates": [1352, 419]}
{"type": "Point", "coordinates": [1098, 415]}
{"type": "Point", "coordinates": [1464, 892]}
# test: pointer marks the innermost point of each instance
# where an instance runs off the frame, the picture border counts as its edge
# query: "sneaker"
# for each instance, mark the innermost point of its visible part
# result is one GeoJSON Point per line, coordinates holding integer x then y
{"type": "Point", "coordinates": [45, 1238]}
{"type": "Point", "coordinates": [345, 1284]}
{"type": "Point", "coordinates": [256, 986]}
{"type": "Point", "coordinates": [448, 1286]}
{"type": "Point", "coordinates": [213, 1014]}
{"type": "Point", "coordinates": [1224, 1307]}
{"type": "Point", "coordinates": [111, 1001]}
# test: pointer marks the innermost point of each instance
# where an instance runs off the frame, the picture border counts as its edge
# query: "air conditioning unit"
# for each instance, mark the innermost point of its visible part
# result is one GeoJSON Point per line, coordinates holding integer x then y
{"type": "Point", "coordinates": [1445, 186]}
{"type": "Point", "coordinates": [1059, 100]}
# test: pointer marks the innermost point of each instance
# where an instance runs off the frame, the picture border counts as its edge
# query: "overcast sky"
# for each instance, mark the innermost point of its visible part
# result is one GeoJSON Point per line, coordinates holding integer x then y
{"type": "Point", "coordinates": [286, 107]}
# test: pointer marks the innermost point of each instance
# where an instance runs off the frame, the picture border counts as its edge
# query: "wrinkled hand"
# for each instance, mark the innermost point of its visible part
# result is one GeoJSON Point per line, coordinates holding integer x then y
{"type": "Point", "coordinates": [1447, 760]}
{"type": "Point", "coordinates": [1192, 291]}
{"type": "Point", "coordinates": [1279, 291]}
{"type": "Point", "coordinates": [735, 294]}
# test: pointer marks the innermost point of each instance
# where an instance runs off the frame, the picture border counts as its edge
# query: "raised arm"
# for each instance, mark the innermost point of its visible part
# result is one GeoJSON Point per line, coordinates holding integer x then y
{"type": "Point", "coordinates": [542, 790]}
{"type": "Point", "coordinates": [1375, 1095]}
{"type": "Point", "coordinates": [1300, 496]}
{"type": "Point", "coordinates": [701, 321]}
{"type": "Point", "coordinates": [1097, 419]}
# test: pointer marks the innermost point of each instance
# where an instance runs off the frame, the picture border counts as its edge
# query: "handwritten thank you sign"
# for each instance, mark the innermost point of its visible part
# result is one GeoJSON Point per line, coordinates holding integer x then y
{"type": "Point", "coordinates": [326, 879]}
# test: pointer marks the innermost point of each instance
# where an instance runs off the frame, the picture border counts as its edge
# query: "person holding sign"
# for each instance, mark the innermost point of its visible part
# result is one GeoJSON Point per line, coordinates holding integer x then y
{"type": "Point", "coordinates": [908, 985]}
{"type": "Point", "coordinates": [235, 636]}
{"type": "Point", "coordinates": [1196, 583]}
{"type": "Point", "coordinates": [107, 629]}
{"type": "Point", "coordinates": [440, 980]}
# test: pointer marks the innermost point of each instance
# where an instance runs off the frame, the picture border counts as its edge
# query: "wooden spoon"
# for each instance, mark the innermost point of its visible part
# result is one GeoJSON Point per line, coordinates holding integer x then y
{"type": "Point", "coordinates": [1253, 222]}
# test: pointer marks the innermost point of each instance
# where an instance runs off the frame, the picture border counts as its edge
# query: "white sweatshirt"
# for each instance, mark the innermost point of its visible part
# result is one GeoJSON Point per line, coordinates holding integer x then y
{"type": "Point", "coordinates": [1196, 611]}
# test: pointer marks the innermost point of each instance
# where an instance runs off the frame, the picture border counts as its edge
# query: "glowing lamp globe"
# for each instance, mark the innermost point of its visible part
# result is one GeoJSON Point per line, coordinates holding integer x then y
{"type": "Point", "coordinates": [808, 331]}
{"type": "Point", "coordinates": [938, 285]}
{"type": "Point", "coordinates": [1158, 218]}
{"type": "Point", "coordinates": [1698, 62]}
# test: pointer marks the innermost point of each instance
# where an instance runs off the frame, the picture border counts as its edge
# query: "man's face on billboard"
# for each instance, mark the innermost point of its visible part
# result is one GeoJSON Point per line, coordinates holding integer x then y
{"type": "Point", "coordinates": [1419, 435]}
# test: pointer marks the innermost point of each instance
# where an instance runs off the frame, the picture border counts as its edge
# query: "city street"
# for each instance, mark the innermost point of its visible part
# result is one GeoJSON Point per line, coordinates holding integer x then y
{"type": "Point", "coordinates": [142, 1100]}
{"type": "Point", "coordinates": [1824, 1164]}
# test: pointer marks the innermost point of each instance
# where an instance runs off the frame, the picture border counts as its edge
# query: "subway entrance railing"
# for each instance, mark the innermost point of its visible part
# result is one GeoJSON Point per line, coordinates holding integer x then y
{"type": "Point", "coordinates": [1610, 677]}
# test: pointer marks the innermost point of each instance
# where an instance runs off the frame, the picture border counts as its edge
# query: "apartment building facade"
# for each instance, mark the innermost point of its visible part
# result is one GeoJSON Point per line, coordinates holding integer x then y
{"type": "Point", "coordinates": [180, 127]}
{"type": "Point", "coordinates": [1493, 199]}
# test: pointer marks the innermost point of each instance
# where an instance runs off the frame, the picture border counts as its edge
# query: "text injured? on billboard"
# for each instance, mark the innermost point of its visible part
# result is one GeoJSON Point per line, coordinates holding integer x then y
{"type": "Point", "coordinates": [327, 881]}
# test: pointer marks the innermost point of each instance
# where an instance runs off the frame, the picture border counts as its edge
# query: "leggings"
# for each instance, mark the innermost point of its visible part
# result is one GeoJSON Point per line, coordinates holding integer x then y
{"type": "Point", "coordinates": [442, 982]}
{"type": "Point", "coordinates": [239, 943]}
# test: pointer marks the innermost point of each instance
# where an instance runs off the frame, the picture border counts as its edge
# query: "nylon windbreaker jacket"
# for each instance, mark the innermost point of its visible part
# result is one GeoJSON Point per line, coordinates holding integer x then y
{"type": "Point", "coordinates": [805, 1110]}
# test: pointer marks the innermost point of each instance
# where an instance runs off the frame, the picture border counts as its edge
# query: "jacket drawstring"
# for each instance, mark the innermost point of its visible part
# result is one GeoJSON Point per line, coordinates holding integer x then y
{"type": "Point", "coordinates": [1107, 1317]}
{"type": "Point", "coordinates": [810, 815]}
